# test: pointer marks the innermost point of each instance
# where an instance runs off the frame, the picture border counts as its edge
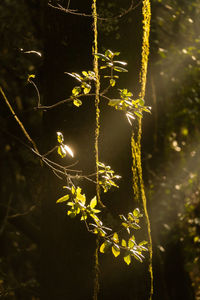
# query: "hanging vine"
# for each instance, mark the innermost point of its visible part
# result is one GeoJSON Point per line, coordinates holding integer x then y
{"type": "Point", "coordinates": [97, 100]}
{"type": "Point", "coordinates": [136, 142]}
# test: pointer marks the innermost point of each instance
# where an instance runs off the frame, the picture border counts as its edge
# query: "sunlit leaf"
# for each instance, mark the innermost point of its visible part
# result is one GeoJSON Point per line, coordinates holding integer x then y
{"type": "Point", "coordinates": [127, 259]}
{"type": "Point", "coordinates": [102, 56]}
{"type": "Point", "coordinates": [30, 76]}
{"type": "Point", "coordinates": [123, 63]}
{"type": "Point", "coordinates": [119, 69]}
{"type": "Point", "coordinates": [131, 243]}
{"type": "Point", "coordinates": [109, 53]}
{"type": "Point", "coordinates": [61, 151]}
{"type": "Point", "coordinates": [105, 246]}
{"type": "Point", "coordinates": [79, 196]}
{"type": "Point", "coordinates": [112, 82]}
{"type": "Point", "coordinates": [73, 190]}
{"type": "Point", "coordinates": [115, 250]}
{"type": "Point", "coordinates": [115, 238]}
{"type": "Point", "coordinates": [85, 73]}
{"type": "Point", "coordinates": [136, 212]}
{"type": "Point", "coordinates": [86, 90]}
{"type": "Point", "coordinates": [76, 90]}
{"type": "Point", "coordinates": [63, 199]}
{"type": "Point", "coordinates": [69, 150]}
{"type": "Point", "coordinates": [60, 137]}
{"type": "Point", "coordinates": [93, 202]}
{"type": "Point", "coordinates": [77, 102]}
{"type": "Point", "coordinates": [114, 102]}
{"type": "Point", "coordinates": [123, 243]}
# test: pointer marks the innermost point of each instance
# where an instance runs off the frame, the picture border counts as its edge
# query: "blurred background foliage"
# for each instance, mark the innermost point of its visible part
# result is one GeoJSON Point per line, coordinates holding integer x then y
{"type": "Point", "coordinates": [171, 135]}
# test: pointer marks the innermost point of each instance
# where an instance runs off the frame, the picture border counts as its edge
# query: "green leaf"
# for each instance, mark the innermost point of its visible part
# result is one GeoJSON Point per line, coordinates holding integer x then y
{"type": "Point", "coordinates": [112, 82]}
{"type": "Point", "coordinates": [136, 212]}
{"type": "Point", "coordinates": [127, 259]}
{"type": "Point", "coordinates": [143, 243]}
{"type": "Point", "coordinates": [77, 102]}
{"type": "Point", "coordinates": [102, 56]}
{"type": "Point", "coordinates": [115, 238]}
{"type": "Point", "coordinates": [30, 76]}
{"type": "Point", "coordinates": [123, 63]}
{"type": "Point", "coordinates": [114, 102]}
{"type": "Point", "coordinates": [123, 243]}
{"type": "Point", "coordinates": [61, 151]}
{"type": "Point", "coordinates": [93, 202]}
{"type": "Point", "coordinates": [79, 196]}
{"type": "Point", "coordinates": [137, 256]}
{"type": "Point", "coordinates": [119, 69]}
{"type": "Point", "coordinates": [109, 53]}
{"type": "Point", "coordinates": [138, 114]}
{"type": "Point", "coordinates": [75, 75]}
{"type": "Point", "coordinates": [131, 243]}
{"type": "Point", "coordinates": [63, 199]}
{"type": "Point", "coordinates": [85, 73]}
{"type": "Point", "coordinates": [60, 137]}
{"type": "Point", "coordinates": [76, 90]}
{"type": "Point", "coordinates": [86, 90]}
{"type": "Point", "coordinates": [115, 250]}
{"type": "Point", "coordinates": [141, 102]}
{"type": "Point", "coordinates": [104, 247]}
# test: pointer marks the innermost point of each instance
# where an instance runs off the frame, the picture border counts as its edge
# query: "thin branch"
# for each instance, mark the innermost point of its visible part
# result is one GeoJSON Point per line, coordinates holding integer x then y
{"type": "Point", "coordinates": [37, 91]}
{"type": "Point", "coordinates": [6, 216]}
{"type": "Point", "coordinates": [23, 213]}
{"type": "Point", "coordinates": [18, 121]}
{"type": "Point", "coordinates": [76, 13]}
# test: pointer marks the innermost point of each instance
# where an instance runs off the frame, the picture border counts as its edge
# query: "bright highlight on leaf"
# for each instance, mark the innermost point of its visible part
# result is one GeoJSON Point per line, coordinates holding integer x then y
{"type": "Point", "coordinates": [63, 199]}
{"type": "Point", "coordinates": [93, 202]}
{"type": "Point", "coordinates": [127, 259]}
{"type": "Point", "coordinates": [60, 137]}
{"type": "Point", "coordinates": [115, 250]}
{"type": "Point", "coordinates": [30, 76]}
{"type": "Point", "coordinates": [69, 150]}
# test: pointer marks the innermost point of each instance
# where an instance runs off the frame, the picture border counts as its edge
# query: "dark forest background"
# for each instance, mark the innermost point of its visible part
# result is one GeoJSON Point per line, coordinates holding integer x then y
{"type": "Point", "coordinates": [43, 253]}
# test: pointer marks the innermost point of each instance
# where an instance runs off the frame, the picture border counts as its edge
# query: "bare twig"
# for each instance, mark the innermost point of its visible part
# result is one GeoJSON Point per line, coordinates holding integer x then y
{"type": "Point", "coordinates": [37, 91]}
{"type": "Point", "coordinates": [23, 213]}
{"type": "Point", "coordinates": [77, 13]}
{"type": "Point", "coordinates": [6, 216]}
{"type": "Point", "coordinates": [18, 121]}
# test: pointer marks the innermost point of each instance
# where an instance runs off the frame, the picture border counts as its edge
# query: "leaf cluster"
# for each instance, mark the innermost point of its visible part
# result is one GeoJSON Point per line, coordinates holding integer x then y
{"type": "Point", "coordinates": [107, 177]}
{"type": "Point", "coordinates": [133, 108]}
{"type": "Point", "coordinates": [76, 201]}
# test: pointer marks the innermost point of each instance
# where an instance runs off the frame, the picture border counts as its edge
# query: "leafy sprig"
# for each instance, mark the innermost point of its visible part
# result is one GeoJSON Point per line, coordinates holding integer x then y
{"type": "Point", "coordinates": [107, 177]}
{"type": "Point", "coordinates": [133, 108]}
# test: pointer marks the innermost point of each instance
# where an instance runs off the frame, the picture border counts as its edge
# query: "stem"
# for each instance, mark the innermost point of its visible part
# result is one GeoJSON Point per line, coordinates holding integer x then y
{"type": "Point", "coordinates": [18, 121]}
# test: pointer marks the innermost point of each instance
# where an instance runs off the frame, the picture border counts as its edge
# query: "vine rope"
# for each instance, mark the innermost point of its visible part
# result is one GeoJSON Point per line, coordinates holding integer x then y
{"type": "Point", "coordinates": [97, 131]}
{"type": "Point", "coordinates": [139, 190]}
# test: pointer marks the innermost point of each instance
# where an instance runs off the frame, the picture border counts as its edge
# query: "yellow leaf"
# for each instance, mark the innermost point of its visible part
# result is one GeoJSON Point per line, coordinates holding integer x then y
{"type": "Point", "coordinates": [79, 196]}
{"type": "Point", "coordinates": [115, 238]}
{"type": "Point", "coordinates": [63, 199]}
{"type": "Point", "coordinates": [60, 137]}
{"type": "Point", "coordinates": [73, 190]}
{"type": "Point", "coordinates": [127, 259]}
{"type": "Point", "coordinates": [61, 151]}
{"type": "Point", "coordinates": [123, 243]}
{"type": "Point", "coordinates": [69, 150]}
{"type": "Point", "coordinates": [115, 250]}
{"type": "Point", "coordinates": [102, 248]}
{"type": "Point", "coordinates": [93, 202]}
